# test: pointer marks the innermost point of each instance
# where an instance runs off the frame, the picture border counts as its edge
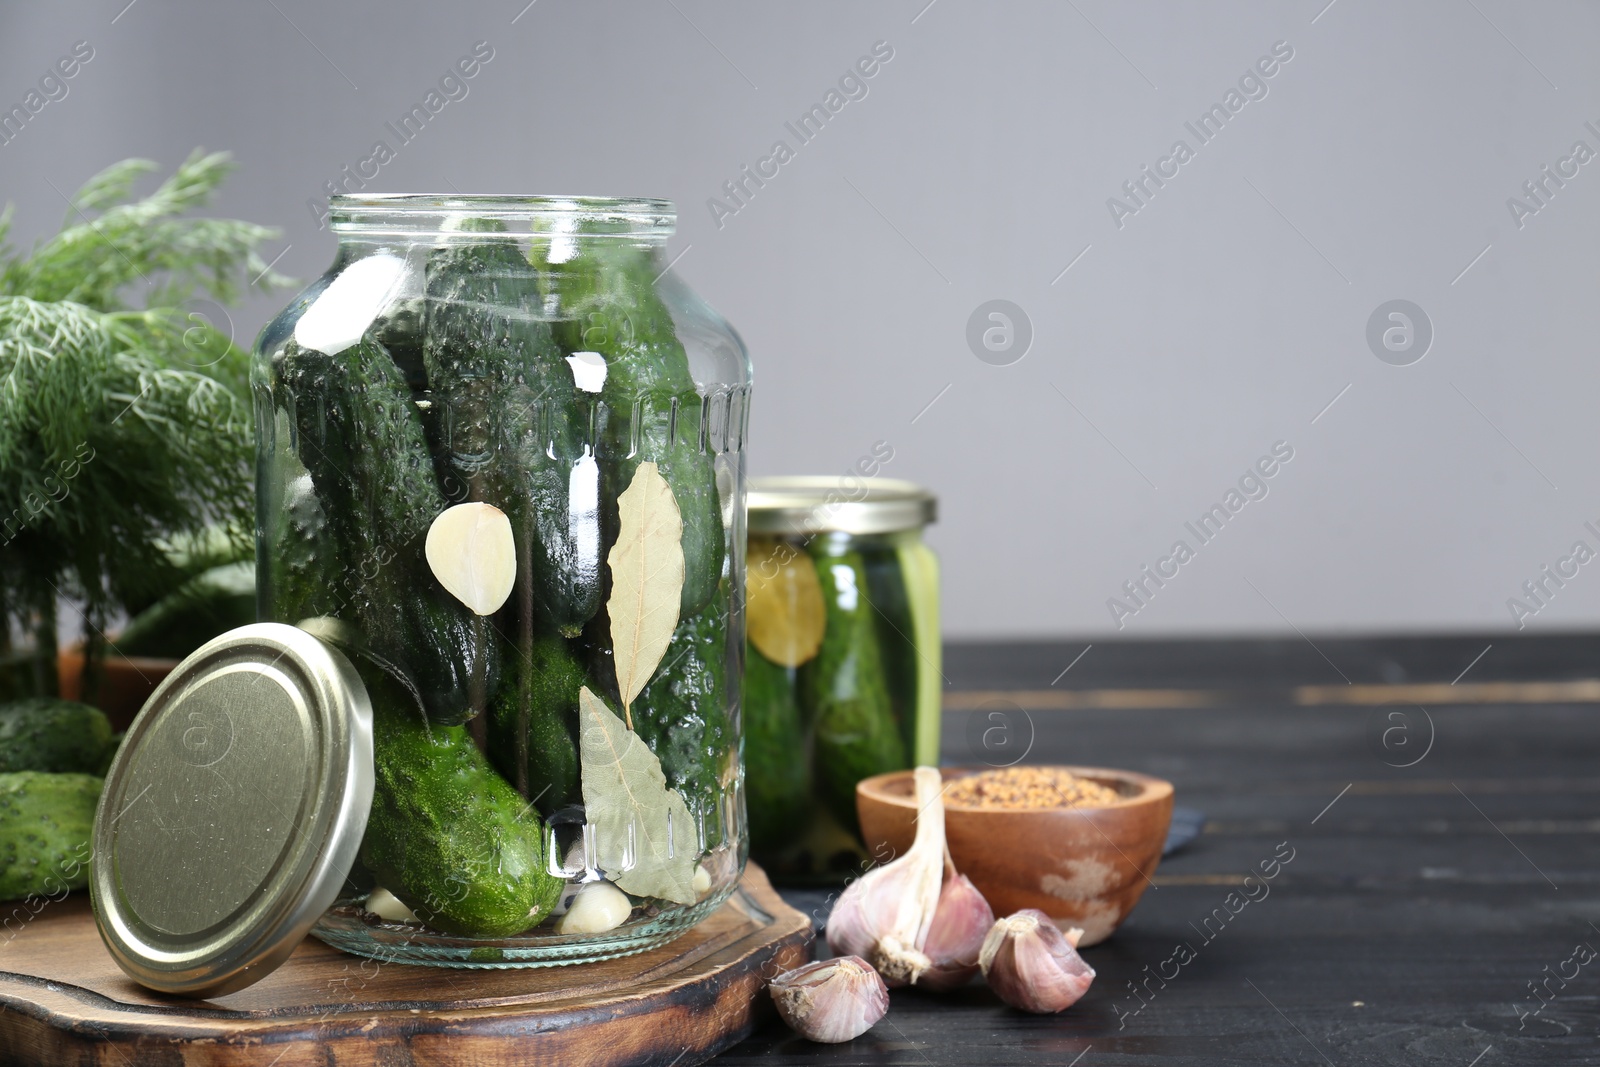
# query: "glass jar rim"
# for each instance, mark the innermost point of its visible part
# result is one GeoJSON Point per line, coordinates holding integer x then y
{"type": "Point", "coordinates": [441, 213]}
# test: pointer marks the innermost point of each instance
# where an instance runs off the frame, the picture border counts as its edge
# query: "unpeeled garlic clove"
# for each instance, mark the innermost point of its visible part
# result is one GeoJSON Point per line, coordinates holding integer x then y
{"type": "Point", "coordinates": [831, 1000]}
{"type": "Point", "coordinates": [955, 937]}
{"type": "Point", "coordinates": [1031, 965]}
{"type": "Point", "coordinates": [884, 916]}
{"type": "Point", "coordinates": [598, 907]}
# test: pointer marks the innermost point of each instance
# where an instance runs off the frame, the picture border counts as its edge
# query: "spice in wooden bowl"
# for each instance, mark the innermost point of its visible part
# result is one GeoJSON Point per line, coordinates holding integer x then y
{"type": "Point", "coordinates": [1028, 788]}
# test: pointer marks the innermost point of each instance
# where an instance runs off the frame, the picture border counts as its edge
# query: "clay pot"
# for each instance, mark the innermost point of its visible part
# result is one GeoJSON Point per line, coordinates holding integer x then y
{"type": "Point", "coordinates": [1084, 867]}
{"type": "Point", "coordinates": [125, 682]}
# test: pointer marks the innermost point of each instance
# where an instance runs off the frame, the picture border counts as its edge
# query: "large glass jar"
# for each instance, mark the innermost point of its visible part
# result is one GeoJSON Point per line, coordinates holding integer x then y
{"type": "Point", "coordinates": [842, 676]}
{"type": "Point", "coordinates": [500, 467]}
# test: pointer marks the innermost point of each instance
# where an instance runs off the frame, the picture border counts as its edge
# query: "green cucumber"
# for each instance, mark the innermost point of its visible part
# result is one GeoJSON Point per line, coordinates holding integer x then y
{"type": "Point", "coordinates": [920, 567]}
{"type": "Point", "coordinates": [777, 764]}
{"type": "Point", "coordinates": [509, 422]}
{"type": "Point", "coordinates": [533, 724]}
{"type": "Point", "coordinates": [47, 734]}
{"type": "Point", "coordinates": [844, 688]}
{"type": "Point", "coordinates": [447, 835]}
{"type": "Point", "coordinates": [682, 712]}
{"type": "Point", "coordinates": [359, 436]}
{"type": "Point", "coordinates": [46, 826]}
{"type": "Point", "coordinates": [886, 586]}
{"type": "Point", "coordinates": [650, 408]}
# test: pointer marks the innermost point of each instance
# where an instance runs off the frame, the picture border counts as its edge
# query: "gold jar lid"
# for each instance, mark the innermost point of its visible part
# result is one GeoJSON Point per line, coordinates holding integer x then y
{"type": "Point", "coordinates": [812, 504]}
{"type": "Point", "coordinates": [233, 811]}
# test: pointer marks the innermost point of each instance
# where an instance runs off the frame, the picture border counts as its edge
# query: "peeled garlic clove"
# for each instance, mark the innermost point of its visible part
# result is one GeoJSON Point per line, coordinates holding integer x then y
{"type": "Point", "coordinates": [955, 937]}
{"type": "Point", "coordinates": [388, 907]}
{"type": "Point", "coordinates": [1031, 965]}
{"type": "Point", "coordinates": [831, 1000]}
{"type": "Point", "coordinates": [702, 881]}
{"type": "Point", "coordinates": [471, 551]}
{"type": "Point", "coordinates": [598, 907]}
{"type": "Point", "coordinates": [884, 916]}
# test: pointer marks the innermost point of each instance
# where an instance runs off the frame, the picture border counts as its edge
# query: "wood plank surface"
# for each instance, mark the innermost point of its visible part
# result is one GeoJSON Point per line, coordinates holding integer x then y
{"type": "Point", "coordinates": [1421, 903]}
{"type": "Point", "coordinates": [64, 1002]}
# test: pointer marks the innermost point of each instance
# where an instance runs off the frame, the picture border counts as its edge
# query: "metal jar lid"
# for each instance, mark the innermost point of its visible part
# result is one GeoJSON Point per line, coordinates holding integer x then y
{"type": "Point", "coordinates": [233, 812]}
{"type": "Point", "coordinates": [810, 504]}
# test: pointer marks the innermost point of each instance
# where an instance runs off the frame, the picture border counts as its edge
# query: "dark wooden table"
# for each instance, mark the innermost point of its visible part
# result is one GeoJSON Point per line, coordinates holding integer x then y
{"type": "Point", "coordinates": [1423, 905]}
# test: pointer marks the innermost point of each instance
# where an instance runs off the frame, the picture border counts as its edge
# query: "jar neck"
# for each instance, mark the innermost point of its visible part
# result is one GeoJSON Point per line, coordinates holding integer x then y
{"type": "Point", "coordinates": [412, 219]}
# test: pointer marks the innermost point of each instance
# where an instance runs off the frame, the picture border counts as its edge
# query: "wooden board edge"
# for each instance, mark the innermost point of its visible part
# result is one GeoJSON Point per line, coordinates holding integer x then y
{"type": "Point", "coordinates": [704, 1017]}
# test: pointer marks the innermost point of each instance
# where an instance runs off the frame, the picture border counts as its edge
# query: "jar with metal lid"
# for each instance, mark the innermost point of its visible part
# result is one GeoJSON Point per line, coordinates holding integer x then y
{"type": "Point", "coordinates": [500, 469]}
{"type": "Point", "coordinates": [842, 677]}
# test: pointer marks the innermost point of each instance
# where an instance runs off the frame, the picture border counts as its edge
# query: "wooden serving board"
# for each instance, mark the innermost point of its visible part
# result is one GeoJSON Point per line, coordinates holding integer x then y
{"type": "Point", "coordinates": [64, 1003]}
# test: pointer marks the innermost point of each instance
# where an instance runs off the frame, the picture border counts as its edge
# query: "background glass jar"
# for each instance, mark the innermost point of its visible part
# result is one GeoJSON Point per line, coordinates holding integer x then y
{"type": "Point", "coordinates": [842, 677]}
{"type": "Point", "coordinates": [475, 431]}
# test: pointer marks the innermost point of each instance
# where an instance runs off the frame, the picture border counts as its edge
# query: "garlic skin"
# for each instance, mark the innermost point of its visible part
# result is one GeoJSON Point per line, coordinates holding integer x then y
{"type": "Point", "coordinates": [960, 924]}
{"type": "Point", "coordinates": [1031, 965]}
{"type": "Point", "coordinates": [884, 916]}
{"type": "Point", "coordinates": [831, 1001]}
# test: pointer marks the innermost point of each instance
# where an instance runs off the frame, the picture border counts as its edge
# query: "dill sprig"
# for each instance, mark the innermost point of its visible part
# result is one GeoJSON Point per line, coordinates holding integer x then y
{"type": "Point", "coordinates": [123, 427]}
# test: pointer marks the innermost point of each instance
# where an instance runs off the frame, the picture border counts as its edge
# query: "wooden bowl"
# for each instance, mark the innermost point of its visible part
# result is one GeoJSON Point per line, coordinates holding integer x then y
{"type": "Point", "coordinates": [1084, 867]}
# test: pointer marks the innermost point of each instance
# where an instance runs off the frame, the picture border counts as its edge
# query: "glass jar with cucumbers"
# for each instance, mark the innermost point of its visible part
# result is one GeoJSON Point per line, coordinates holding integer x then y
{"type": "Point", "coordinates": [500, 471]}
{"type": "Point", "coordinates": [842, 676]}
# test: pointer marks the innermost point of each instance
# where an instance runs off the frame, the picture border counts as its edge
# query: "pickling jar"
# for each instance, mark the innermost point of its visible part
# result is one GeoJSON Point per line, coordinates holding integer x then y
{"type": "Point", "coordinates": [842, 665]}
{"type": "Point", "coordinates": [500, 470]}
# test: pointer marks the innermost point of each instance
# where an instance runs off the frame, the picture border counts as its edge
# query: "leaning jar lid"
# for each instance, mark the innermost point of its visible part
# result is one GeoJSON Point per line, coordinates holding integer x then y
{"type": "Point", "coordinates": [233, 811]}
{"type": "Point", "coordinates": [808, 504]}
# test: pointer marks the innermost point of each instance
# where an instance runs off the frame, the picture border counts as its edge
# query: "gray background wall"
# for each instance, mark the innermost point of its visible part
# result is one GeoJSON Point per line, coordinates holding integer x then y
{"type": "Point", "coordinates": [1222, 317]}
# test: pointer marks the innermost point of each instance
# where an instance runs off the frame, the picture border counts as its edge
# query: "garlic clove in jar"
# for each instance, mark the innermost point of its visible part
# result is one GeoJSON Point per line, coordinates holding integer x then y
{"type": "Point", "coordinates": [388, 907]}
{"type": "Point", "coordinates": [1031, 965]}
{"type": "Point", "coordinates": [831, 1000]}
{"type": "Point", "coordinates": [955, 937]}
{"type": "Point", "coordinates": [471, 551]}
{"type": "Point", "coordinates": [598, 907]}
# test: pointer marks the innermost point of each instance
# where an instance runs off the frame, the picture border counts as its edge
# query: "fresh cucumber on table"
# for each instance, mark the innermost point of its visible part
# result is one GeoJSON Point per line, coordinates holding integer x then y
{"type": "Point", "coordinates": [46, 825]}
{"type": "Point", "coordinates": [58, 736]}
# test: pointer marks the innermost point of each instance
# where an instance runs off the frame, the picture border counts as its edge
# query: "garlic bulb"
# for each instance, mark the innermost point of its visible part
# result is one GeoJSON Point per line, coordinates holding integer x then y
{"type": "Point", "coordinates": [831, 1000]}
{"type": "Point", "coordinates": [1031, 965]}
{"type": "Point", "coordinates": [884, 916]}
{"type": "Point", "coordinates": [955, 937]}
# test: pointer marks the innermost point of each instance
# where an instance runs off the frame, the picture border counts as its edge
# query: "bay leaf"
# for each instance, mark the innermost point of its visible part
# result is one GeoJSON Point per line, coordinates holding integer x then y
{"type": "Point", "coordinates": [643, 831]}
{"type": "Point", "coordinates": [783, 609]}
{"type": "Point", "coordinates": [646, 580]}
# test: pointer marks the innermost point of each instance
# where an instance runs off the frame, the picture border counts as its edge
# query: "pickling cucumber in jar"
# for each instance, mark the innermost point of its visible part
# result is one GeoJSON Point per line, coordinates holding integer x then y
{"type": "Point", "coordinates": [485, 435]}
{"type": "Point", "coordinates": [846, 687]}
{"type": "Point", "coordinates": [447, 835]}
{"type": "Point", "coordinates": [359, 436]}
{"type": "Point", "coordinates": [651, 409]}
{"type": "Point", "coordinates": [842, 677]}
{"type": "Point", "coordinates": [509, 422]}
